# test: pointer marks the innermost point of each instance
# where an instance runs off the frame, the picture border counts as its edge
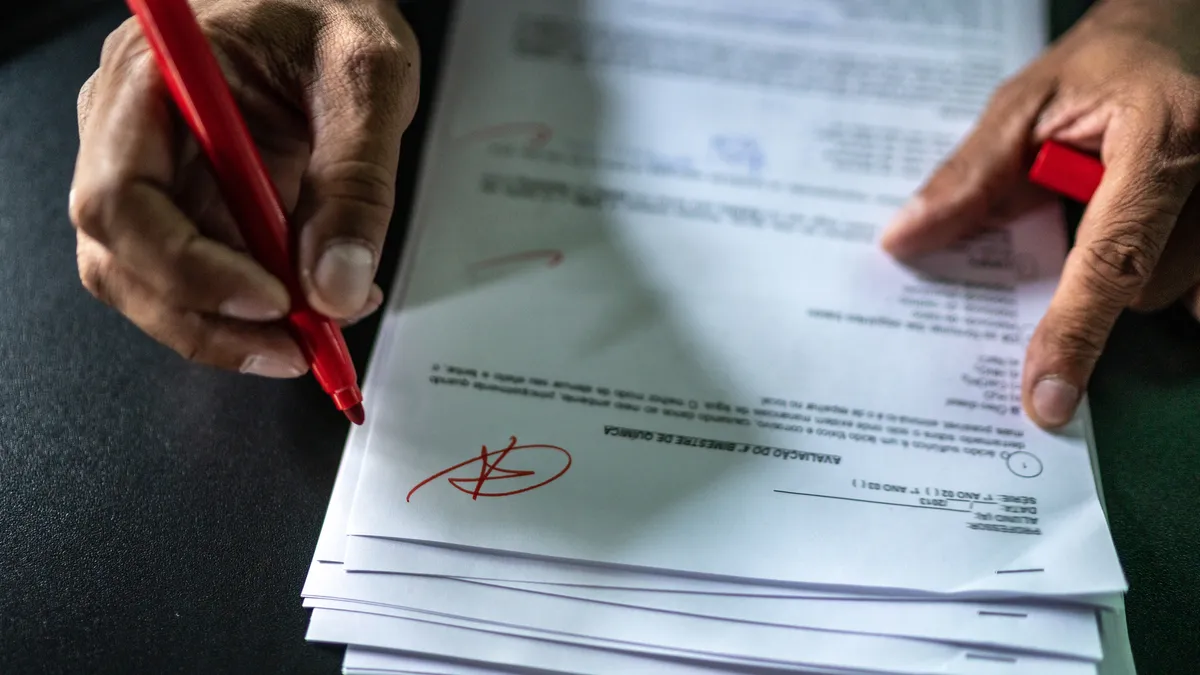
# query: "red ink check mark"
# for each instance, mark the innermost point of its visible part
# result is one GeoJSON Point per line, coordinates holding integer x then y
{"type": "Point", "coordinates": [489, 464]}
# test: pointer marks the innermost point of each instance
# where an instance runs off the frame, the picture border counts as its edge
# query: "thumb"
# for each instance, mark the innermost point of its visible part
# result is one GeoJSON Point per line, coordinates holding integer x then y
{"type": "Point", "coordinates": [970, 188]}
{"type": "Point", "coordinates": [1147, 180]}
{"type": "Point", "coordinates": [361, 101]}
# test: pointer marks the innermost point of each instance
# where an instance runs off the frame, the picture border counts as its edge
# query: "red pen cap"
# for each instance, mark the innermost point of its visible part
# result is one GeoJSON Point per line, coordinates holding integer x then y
{"type": "Point", "coordinates": [1067, 171]}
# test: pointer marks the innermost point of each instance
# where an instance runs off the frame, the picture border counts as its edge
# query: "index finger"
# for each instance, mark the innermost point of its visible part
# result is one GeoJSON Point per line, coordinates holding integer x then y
{"type": "Point", "coordinates": [1148, 177]}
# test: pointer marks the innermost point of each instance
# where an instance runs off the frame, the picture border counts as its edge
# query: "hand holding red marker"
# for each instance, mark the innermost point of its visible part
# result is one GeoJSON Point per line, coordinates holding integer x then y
{"type": "Point", "coordinates": [203, 96]}
{"type": "Point", "coordinates": [1122, 85]}
{"type": "Point", "coordinates": [244, 244]}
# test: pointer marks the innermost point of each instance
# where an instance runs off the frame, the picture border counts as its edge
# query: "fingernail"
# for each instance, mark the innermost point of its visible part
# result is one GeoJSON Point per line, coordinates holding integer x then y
{"type": "Point", "coordinates": [344, 273]}
{"type": "Point", "coordinates": [267, 366]}
{"type": "Point", "coordinates": [250, 309]}
{"type": "Point", "coordinates": [1054, 401]}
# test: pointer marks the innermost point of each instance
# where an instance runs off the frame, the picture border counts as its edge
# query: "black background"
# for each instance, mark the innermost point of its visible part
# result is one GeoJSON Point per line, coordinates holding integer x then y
{"type": "Point", "coordinates": [160, 517]}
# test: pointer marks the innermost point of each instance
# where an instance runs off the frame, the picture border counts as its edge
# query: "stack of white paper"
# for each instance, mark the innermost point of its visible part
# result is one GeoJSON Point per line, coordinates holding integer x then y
{"type": "Point", "coordinates": [648, 398]}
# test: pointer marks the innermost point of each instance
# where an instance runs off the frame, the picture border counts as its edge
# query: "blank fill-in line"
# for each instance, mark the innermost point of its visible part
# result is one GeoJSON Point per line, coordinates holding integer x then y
{"type": "Point", "coordinates": [1028, 571]}
{"type": "Point", "coordinates": [870, 501]}
{"type": "Point", "coordinates": [1016, 615]}
{"type": "Point", "coordinates": [988, 657]}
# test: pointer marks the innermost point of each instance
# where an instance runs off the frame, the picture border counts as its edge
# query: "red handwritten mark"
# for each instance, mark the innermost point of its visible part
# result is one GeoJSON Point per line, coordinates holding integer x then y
{"type": "Point", "coordinates": [489, 466]}
{"type": "Point", "coordinates": [539, 133]}
{"type": "Point", "coordinates": [553, 258]}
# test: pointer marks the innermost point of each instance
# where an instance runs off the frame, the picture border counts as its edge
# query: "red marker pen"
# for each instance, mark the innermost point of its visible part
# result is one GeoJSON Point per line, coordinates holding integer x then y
{"type": "Point", "coordinates": [202, 94]}
{"type": "Point", "coordinates": [1067, 171]}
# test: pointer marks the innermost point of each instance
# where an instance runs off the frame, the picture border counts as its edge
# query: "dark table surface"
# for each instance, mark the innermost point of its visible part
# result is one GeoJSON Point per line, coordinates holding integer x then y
{"type": "Point", "coordinates": [160, 517]}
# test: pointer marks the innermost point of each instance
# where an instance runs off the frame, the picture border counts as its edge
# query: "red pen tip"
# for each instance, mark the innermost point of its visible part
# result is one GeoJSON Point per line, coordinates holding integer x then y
{"type": "Point", "coordinates": [356, 414]}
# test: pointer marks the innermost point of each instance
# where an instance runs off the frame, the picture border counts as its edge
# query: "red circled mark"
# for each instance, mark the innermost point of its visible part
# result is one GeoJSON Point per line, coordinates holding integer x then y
{"type": "Point", "coordinates": [487, 468]}
{"type": "Point", "coordinates": [553, 258]}
{"type": "Point", "coordinates": [539, 133]}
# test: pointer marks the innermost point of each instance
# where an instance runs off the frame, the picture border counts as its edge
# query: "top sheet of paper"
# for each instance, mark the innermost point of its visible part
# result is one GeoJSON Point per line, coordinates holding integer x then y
{"type": "Point", "coordinates": [648, 323]}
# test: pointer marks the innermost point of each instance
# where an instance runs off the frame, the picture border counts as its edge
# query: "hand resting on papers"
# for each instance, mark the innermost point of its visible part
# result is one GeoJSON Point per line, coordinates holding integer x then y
{"type": "Point", "coordinates": [329, 88]}
{"type": "Point", "coordinates": [1124, 82]}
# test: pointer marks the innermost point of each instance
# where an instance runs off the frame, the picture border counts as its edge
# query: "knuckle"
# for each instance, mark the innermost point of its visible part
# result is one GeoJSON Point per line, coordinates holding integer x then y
{"type": "Point", "coordinates": [359, 182]}
{"type": "Point", "coordinates": [116, 38]}
{"type": "Point", "coordinates": [376, 58]}
{"type": "Point", "coordinates": [95, 207]}
{"type": "Point", "coordinates": [124, 47]}
{"type": "Point", "coordinates": [377, 69]}
{"type": "Point", "coordinates": [373, 64]}
{"type": "Point", "coordinates": [1119, 264]}
{"type": "Point", "coordinates": [91, 209]}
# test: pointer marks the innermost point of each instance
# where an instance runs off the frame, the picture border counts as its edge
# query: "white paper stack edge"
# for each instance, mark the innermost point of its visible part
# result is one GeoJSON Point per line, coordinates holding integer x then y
{"type": "Point", "coordinates": [370, 627]}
